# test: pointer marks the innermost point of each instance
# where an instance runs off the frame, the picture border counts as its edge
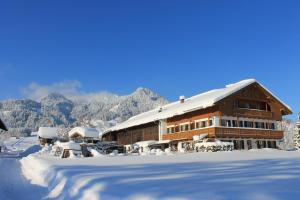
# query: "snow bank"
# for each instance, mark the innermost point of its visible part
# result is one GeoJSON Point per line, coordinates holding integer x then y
{"type": "Point", "coordinates": [220, 175]}
{"type": "Point", "coordinates": [36, 170]}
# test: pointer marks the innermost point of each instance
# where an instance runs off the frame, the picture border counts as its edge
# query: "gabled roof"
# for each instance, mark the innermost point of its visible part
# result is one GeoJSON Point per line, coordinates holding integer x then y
{"type": "Point", "coordinates": [84, 132]}
{"type": "Point", "coordinates": [48, 132]}
{"type": "Point", "coordinates": [201, 101]}
{"type": "Point", "coordinates": [2, 125]}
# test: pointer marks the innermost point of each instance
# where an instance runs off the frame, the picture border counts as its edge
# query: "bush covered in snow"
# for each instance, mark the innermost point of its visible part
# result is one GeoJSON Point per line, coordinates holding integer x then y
{"type": "Point", "coordinates": [210, 145]}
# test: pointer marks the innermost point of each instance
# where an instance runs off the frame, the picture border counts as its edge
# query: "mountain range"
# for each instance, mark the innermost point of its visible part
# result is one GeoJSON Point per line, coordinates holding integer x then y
{"type": "Point", "coordinates": [101, 111]}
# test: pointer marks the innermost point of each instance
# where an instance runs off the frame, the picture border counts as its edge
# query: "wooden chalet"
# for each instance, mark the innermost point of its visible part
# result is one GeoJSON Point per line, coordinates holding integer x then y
{"type": "Point", "coordinates": [245, 113]}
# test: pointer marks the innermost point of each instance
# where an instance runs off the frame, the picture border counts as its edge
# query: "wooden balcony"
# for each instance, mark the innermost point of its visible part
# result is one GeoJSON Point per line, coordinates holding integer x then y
{"type": "Point", "coordinates": [253, 113]}
{"type": "Point", "coordinates": [247, 133]}
{"type": "Point", "coordinates": [189, 134]}
{"type": "Point", "coordinates": [220, 132]}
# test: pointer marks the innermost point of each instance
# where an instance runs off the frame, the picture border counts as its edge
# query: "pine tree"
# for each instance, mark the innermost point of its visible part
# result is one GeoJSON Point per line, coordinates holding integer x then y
{"type": "Point", "coordinates": [297, 135]}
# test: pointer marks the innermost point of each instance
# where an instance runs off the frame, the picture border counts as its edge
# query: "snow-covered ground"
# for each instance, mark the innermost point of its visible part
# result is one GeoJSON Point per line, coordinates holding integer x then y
{"type": "Point", "coordinates": [13, 185]}
{"type": "Point", "coordinates": [255, 174]}
{"type": "Point", "coordinates": [20, 147]}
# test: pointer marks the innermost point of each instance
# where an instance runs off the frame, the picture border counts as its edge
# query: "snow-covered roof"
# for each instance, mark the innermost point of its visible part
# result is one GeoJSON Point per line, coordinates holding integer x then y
{"type": "Point", "coordinates": [84, 132]}
{"type": "Point", "coordinates": [69, 145]}
{"type": "Point", "coordinates": [200, 101]}
{"type": "Point", "coordinates": [48, 132]}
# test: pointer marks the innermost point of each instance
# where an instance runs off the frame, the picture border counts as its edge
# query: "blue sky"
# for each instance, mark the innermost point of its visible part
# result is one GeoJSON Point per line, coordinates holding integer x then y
{"type": "Point", "coordinates": [172, 47]}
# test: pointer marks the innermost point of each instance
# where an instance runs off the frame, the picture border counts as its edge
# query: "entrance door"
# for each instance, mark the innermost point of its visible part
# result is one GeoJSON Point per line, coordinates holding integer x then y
{"type": "Point", "coordinates": [249, 144]}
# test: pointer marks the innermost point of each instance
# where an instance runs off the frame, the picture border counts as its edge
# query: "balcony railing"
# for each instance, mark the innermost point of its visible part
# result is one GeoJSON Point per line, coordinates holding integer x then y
{"type": "Point", "coordinates": [247, 133]}
{"type": "Point", "coordinates": [253, 113]}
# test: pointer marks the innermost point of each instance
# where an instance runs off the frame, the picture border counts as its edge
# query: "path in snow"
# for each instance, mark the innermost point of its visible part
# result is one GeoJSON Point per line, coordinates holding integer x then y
{"type": "Point", "coordinates": [13, 184]}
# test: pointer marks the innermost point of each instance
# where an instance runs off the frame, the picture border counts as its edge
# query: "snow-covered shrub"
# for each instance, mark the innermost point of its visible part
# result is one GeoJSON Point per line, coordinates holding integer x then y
{"type": "Point", "coordinates": [213, 146]}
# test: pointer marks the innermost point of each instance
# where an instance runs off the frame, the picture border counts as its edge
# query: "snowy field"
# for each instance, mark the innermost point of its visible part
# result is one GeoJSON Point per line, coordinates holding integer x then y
{"type": "Point", "coordinates": [257, 174]}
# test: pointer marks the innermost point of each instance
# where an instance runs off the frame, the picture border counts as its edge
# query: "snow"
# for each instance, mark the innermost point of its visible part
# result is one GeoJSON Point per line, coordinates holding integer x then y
{"type": "Point", "coordinates": [48, 132]}
{"type": "Point", "coordinates": [69, 145]}
{"type": "Point", "coordinates": [12, 184]}
{"type": "Point", "coordinates": [15, 147]}
{"type": "Point", "coordinates": [256, 174]}
{"type": "Point", "coordinates": [197, 102]}
{"type": "Point", "coordinates": [84, 132]}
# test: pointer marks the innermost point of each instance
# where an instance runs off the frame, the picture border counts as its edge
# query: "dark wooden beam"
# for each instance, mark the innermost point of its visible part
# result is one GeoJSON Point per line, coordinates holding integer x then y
{"type": "Point", "coordinates": [2, 126]}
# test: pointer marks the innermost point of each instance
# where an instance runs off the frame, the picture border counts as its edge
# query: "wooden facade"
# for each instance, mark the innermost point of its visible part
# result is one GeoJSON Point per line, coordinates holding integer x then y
{"type": "Point", "coordinates": [134, 134]}
{"type": "Point", "coordinates": [254, 111]}
{"type": "Point", "coordinates": [229, 107]}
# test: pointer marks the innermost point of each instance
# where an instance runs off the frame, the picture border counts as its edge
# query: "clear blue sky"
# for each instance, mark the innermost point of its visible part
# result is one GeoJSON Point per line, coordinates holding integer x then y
{"type": "Point", "coordinates": [172, 47]}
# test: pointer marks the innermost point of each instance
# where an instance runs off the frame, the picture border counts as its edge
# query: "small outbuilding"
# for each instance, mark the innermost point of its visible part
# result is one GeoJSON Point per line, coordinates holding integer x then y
{"type": "Point", "coordinates": [82, 134]}
{"type": "Point", "coordinates": [47, 135]}
{"type": "Point", "coordinates": [68, 149]}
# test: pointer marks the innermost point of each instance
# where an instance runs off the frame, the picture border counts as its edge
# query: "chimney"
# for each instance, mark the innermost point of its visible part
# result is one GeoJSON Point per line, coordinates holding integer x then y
{"type": "Point", "coordinates": [181, 99]}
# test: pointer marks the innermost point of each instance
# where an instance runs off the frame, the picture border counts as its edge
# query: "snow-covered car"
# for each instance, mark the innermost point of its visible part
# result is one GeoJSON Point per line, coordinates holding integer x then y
{"type": "Point", "coordinates": [107, 147]}
{"type": "Point", "coordinates": [212, 145]}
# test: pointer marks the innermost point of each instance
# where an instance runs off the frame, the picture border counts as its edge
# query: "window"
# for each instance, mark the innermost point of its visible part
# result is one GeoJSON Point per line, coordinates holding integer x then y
{"type": "Point", "coordinates": [223, 122]}
{"type": "Point", "coordinates": [272, 126]}
{"type": "Point", "coordinates": [249, 144]}
{"type": "Point", "coordinates": [203, 124]}
{"type": "Point", "coordinates": [210, 122]}
{"type": "Point", "coordinates": [168, 130]}
{"type": "Point", "coordinates": [171, 129]}
{"type": "Point", "coordinates": [226, 123]}
{"type": "Point", "coordinates": [243, 104]}
{"type": "Point", "coordinates": [181, 128]}
{"type": "Point", "coordinates": [241, 124]}
{"type": "Point", "coordinates": [248, 124]}
{"type": "Point", "coordinates": [260, 125]}
{"type": "Point", "coordinates": [198, 125]}
{"type": "Point", "coordinates": [234, 123]}
{"type": "Point", "coordinates": [255, 105]}
{"type": "Point", "coordinates": [192, 125]}
{"type": "Point", "coordinates": [184, 127]}
{"type": "Point", "coordinates": [268, 108]}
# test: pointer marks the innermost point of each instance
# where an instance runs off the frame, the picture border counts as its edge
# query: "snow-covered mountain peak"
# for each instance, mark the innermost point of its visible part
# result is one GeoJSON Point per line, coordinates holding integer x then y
{"type": "Point", "coordinates": [24, 116]}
